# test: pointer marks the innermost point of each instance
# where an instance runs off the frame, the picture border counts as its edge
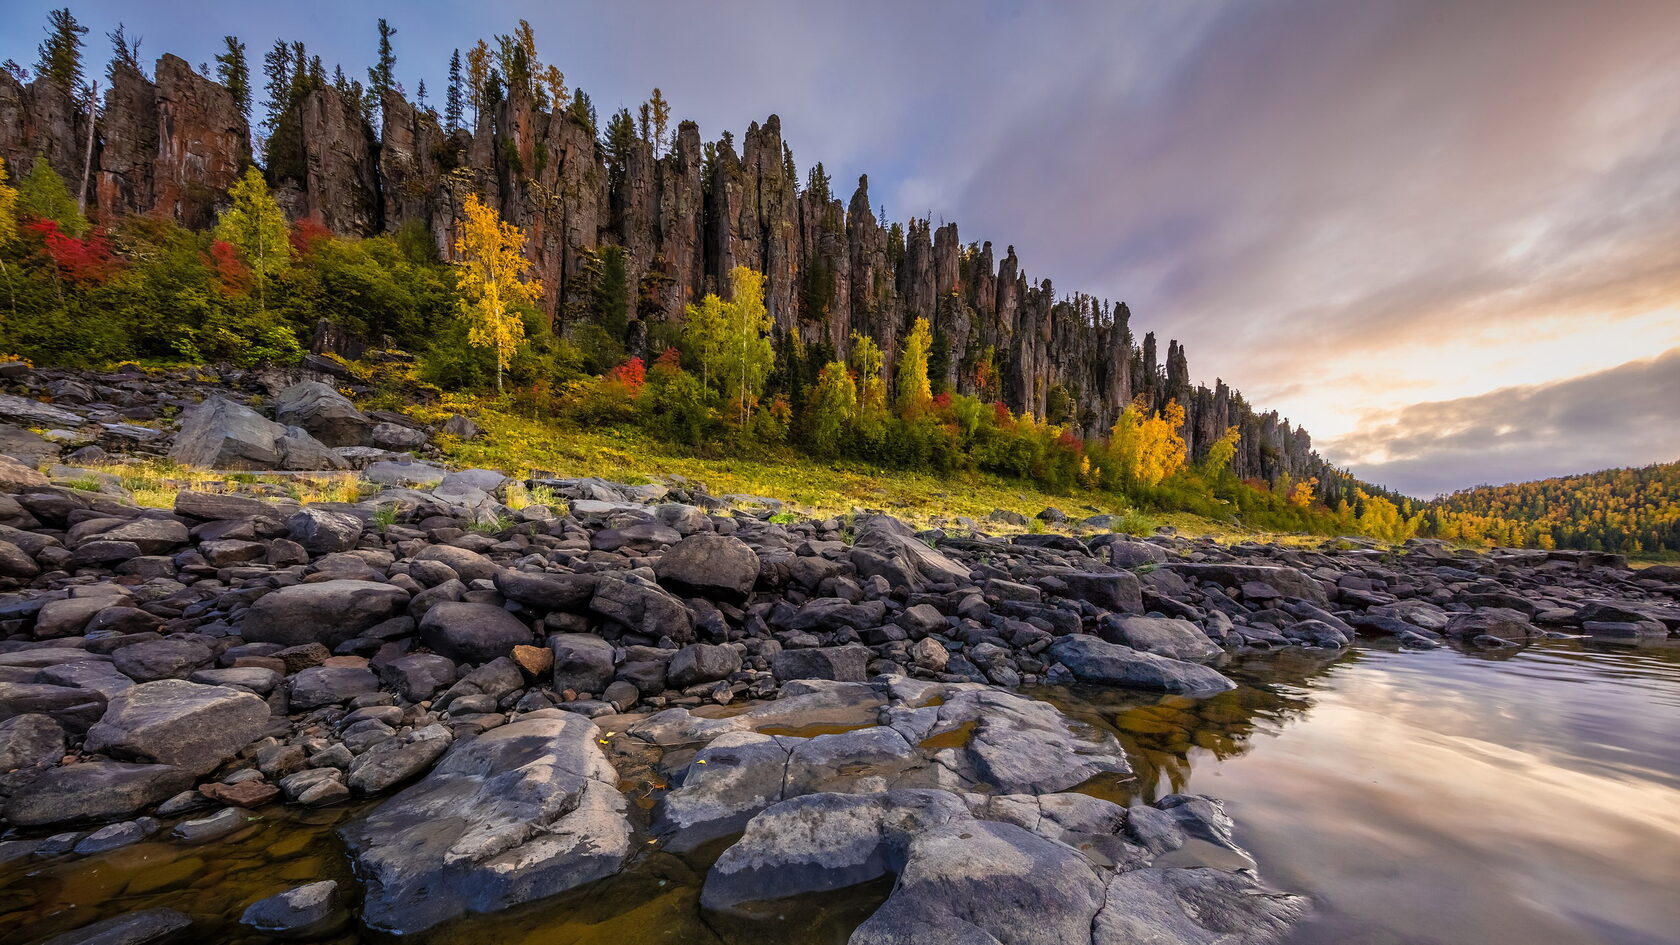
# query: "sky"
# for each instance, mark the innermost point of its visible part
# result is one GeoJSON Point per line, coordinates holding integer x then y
{"type": "Point", "coordinates": [1442, 235]}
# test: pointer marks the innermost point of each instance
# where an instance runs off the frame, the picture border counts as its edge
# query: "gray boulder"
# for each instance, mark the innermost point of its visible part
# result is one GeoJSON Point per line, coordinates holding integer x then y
{"type": "Point", "coordinates": [175, 722]}
{"type": "Point", "coordinates": [583, 662]}
{"type": "Point", "coordinates": [329, 685]}
{"type": "Point", "coordinates": [892, 550]}
{"type": "Point", "coordinates": [320, 531]}
{"type": "Point", "coordinates": [708, 565]}
{"type": "Point", "coordinates": [642, 609]}
{"type": "Point", "coordinates": [1092, 660]}
{"type": "Point", "coordinates": [1163, 636]}
{"type": "Point", "coordinates": [701, 663]}
{"type": "Point", "coordinates": [29, 740]}
{"type": "Point", "coordinates": [1286, 581]}
{"type": "Point", "coordinates": [472, 633]}
{"type": "Point", "coordinates": [152, 660]}
{"type": "Point", "coordinates": [327, 612]}
{"type": "Point", "coordinates": [328, 415]}
{"type": "Point", "coordinates": [521, 812]}
{"type": "Point", "coordinates": [74, 707]}
{"type": "Point", "coordinates": [136, 928]}
{"type": "Point", "coordinates": [93, 790]}
{"type": "Point", "coordinates": [308, 911]}
{"type": "Point", "coordinates": [842, 663]}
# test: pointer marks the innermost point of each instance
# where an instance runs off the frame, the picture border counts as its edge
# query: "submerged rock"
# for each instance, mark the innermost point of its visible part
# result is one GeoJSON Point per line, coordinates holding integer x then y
{"type": "Point", "coordinates": [523, 811]}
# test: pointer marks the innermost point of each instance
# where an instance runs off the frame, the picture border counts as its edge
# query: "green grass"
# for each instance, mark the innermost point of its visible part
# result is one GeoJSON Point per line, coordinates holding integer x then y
{"type": "Point", "coordinates": [520, 445]}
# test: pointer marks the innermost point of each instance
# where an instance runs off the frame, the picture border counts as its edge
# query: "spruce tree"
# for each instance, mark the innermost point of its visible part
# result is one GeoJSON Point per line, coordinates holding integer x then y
{"type": "Point", "coordinates": [235, 74]}
{"type": "Point", "coordinates": [452, 100]}
{"type": "Point", "coordinates": [124, 52]}
{"type": "Point", "coordinates": [61, 55]}
{"type": "Point", "coordinates": [382, 75]}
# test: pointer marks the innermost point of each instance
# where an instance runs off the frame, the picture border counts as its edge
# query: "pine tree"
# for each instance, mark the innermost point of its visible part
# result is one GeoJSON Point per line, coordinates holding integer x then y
{"type": "Point", "coordinates": [583, 110]}
{"type": "Point", "coordinates": [255, 225]}
{"type": "Point", "coordinates": [233, 72]}
{"type": "Point", "coordinates": [621, 139]}
{"type": "Point", "coordinates": [61, 55]}
{"type": "Point", "coordinates": [452, 98]}
{"type": "Point", "coordinates": [125, 53]}
{"type": "Point", "coordinates": [382, 75]}
{"type": "Point", "coordinates": [420, 94]}
{"type": "Point", "coordinates": [491, 270]}
{"type": "Point", "coordinates": [277, 84]}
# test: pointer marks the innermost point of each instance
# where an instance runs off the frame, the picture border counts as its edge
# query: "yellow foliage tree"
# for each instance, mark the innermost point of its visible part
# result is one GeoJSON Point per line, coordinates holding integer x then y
{"type": "Point", "coordinates": [1148, 446]}
{"type": "Point", "coordinates": [1301, 494]}
{"type": "Point", "coordinates": [915, 392]}
{"type": "Point", "coordinates": [1221, 453]}
{"type": "Point", "coordinates": [8, 227]}
{"type": "Point", "coordinates": [490, 270]}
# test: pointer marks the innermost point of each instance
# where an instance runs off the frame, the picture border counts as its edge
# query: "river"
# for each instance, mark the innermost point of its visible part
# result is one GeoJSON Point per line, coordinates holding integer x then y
{"type": "Point", "coordinates": [1420, 798]}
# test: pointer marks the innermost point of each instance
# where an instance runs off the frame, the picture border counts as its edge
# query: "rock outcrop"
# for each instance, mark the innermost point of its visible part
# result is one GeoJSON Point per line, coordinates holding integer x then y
{"type": "Point", "coordinates": [682, 218]}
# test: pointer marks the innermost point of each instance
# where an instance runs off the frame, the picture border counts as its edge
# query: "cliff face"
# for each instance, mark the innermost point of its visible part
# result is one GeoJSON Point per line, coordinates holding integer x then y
{"type": "Point", "coordinates": [684, 217]}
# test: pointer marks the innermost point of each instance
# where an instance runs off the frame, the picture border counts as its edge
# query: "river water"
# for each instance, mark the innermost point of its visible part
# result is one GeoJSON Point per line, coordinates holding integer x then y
{"type": "Point", "coordinates": [1420, 798]}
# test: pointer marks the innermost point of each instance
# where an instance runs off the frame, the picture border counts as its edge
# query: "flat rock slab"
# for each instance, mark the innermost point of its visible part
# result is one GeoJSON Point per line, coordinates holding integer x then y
{"type": "Point", "coordinates": [175, 722]}
{"type": "Point", "coordinates": [1091, 660]}
{"type": "Point", "coordinates": [521, 812]}
{"type": "Point", "coordinates": [93, 790]}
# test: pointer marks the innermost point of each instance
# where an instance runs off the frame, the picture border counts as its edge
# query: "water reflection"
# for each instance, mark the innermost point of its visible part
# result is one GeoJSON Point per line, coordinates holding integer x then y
{"type": "Point", "coordinates": [1420, 798]}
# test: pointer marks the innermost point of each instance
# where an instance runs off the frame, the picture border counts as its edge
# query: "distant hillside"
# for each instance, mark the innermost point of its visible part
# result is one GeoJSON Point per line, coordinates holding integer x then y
{"type": "Point", "coordinates": [1626, 510]}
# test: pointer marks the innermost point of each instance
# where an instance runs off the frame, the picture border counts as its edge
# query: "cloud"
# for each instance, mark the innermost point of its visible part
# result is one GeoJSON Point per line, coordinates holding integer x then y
{"type": "Point", "coordinates": [1622, 416]}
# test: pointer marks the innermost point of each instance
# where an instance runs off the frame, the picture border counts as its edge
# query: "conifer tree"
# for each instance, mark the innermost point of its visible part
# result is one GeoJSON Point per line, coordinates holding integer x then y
{"type": "Point", "coordinates": [124, 52]}
{"type": "Point", "coordinates": [277, 84]}
{"type": "Point", "coordinates": [478, 77]}
{"type": "Point", "coordinates": [235, 74]}
{"type": "Point", "coordinates": [60, 59]}
{"type": "Point", "coordinates": [491, 269]}
{"type": "Point", "coordinates": [452, 98]}
{"type": "Point", "coordinates": [382, 74]}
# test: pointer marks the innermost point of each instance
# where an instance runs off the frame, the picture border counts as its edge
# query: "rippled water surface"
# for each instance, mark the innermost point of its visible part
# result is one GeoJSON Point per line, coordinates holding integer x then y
{"type": "Point", "coordinates": [1436, 798]}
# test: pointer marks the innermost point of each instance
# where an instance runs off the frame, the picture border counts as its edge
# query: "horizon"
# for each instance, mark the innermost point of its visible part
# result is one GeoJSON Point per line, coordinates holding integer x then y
{"type": "Point", "coordinates": [1549, 349]}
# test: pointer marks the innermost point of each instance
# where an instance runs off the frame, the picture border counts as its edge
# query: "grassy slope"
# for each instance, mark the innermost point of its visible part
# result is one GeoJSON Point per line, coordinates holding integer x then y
{"type": "Point", "coordinates": [521, 445]}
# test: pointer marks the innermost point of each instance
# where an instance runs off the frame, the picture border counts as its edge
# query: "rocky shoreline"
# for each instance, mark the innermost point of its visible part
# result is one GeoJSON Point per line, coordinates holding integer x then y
{"type": "Point", "coordinates": [836, 700]}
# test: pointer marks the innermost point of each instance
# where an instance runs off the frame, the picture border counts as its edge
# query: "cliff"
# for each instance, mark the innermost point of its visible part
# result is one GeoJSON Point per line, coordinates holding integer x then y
{"type": "Point", "coordinates": [684, 217]}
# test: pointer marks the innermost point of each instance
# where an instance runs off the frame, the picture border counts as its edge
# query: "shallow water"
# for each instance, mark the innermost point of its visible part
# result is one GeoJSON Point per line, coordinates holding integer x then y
{"type": "Point", "coordinates": [1419, 798]}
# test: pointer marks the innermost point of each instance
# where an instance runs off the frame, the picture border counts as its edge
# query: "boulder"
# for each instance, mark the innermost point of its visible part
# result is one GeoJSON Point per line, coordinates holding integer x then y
{"type": "Point", "coordinates": [136, 928]}
{"type": "Point", "coordinates": [329, 685]}
{"type": "Point", "coordinates": [893, 551]}
{"type": "Point", "coordinates": [642, 609]}
{"type": "Point", "coordinates": [327, 612]}
{"type": "Point", "coordinates": [842, 663]}
{"type": "Point", "coordinates": [30, 740]}
{"type": "Point", "coordinates": [565, 592]}
{"type": "Point", "coordinates": [74, 707]}
{"type": "Point", "coordinates": [700, 663]}
{"type": "Point", "coordinates": [391, 762]}
{"type": "Point", "coordinates": [524, 811]}
{"type": "Point", "coordinates": [1092, 660]}
{"type": "Point", "coordinates": [583, 662]}
{"type": "Point", "coordinates": [708, 565]}
{"type": "Point", "coordinates": [418, 675]}
{"type": "Point", "coordinates": [93, 790]}
{"type": "Point", "coordinates": [305, 912]}
{"type": "Point", "coordinates": [472, 633]}
{"type": "Point", "coordinates": [175, 722]}
{"type": "Point", "coordinates": [323, 532]}
{"type": "Point", "coordinates": [328, 415]}
{"type": "Point", "coordinates": [218, 433]}
{"type": "Point", "coordinates": [1286, 581]}
{"type": "Point", "coordinates": [161, 659]}
{"type": "Point", "coordinates": [1163, 636]}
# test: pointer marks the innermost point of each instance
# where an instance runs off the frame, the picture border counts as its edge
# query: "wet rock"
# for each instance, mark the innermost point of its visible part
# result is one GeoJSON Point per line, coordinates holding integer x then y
{"type": "Point", "coordinates": [306, 912]}
{"type": "Point", "coordinates": [174, 722]}
{"type": "Point", "coordinates": [521, 812]}
{"type": "Point", "coordinates": [213, 827]}
{"type": "Point", "coordinates": [1092, 660]}
{"type": "Point", "coordinates": [1163, 636]}
{"type": "Point", "coordinates": [394, 761]}
{"type": "Point", "coordinates": [136, 928]}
